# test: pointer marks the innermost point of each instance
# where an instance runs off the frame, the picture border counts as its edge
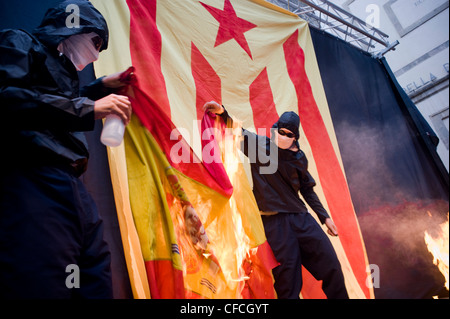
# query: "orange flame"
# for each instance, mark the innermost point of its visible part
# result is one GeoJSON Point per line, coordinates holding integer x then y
{"type": "Point", "coordinates": [439, 248]}
{"type": "Point", "coordinates": [235, 274]}
{"type": "Point", "coordinates": [225, 265]}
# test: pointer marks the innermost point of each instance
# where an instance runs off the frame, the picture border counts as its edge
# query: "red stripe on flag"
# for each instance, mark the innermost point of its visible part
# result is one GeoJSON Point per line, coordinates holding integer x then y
{"type": "Point", "coordinates": [154, 111]}
{"type": "Point", "coordinates": [260, 282]}
{"type": "Point", "coordinates": [330, 173]}
{"type": "Point", "coordinates": [207, 82]}
{"type": "Point", "coordinates": [212, 159]}
{"type": "Point", "coordinates": [145, 49]}
{"type": "Point", "coordinates": [165, 281]}
{"type": "Point", "coordinates": [208, 87]}
{"type": "Point", "coordinates": [261, 101]}
{"type": "Point", "coordinates": [312, 289]}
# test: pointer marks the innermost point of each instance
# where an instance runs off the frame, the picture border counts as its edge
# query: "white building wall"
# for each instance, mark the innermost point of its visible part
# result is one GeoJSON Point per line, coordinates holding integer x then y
{"type": "Point", "coordinates": [436, 111]}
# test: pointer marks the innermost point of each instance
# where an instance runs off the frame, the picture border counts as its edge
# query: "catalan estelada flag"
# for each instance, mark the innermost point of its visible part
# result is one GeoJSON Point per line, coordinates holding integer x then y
{"type": "Point", "coordinates": [190, 226]}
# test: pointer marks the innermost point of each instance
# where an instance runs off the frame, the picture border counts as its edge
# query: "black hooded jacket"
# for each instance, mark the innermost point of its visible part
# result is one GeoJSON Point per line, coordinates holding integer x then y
{"type": "Point", "coordinates": [278, 174]}
{"type": "Point", "coordinates": [44, 114]}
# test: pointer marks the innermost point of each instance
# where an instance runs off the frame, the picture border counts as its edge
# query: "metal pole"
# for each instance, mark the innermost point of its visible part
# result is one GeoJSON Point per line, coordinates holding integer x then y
{"type": "Point", "coordinates": [343, 21]}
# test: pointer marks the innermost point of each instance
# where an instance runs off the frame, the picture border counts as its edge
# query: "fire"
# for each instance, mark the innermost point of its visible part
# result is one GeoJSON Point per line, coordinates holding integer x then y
{"type": "Point", "coordinates": [235, 273]}
{"type": "Point", "coordinates": [439, 248]}
{"type": "Point", "coordinates": [230, 239]}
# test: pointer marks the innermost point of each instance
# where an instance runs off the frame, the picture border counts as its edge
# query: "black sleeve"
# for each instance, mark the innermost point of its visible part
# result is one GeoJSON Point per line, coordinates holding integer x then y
{"type": "Point", "coordinates": [23, 103]}
{"type": "Point", "coordinates": [307, 184]}
{"type": "Point", "coordinates": [246, 135]}
{"type": "Point", "coordinates": [96, 90]}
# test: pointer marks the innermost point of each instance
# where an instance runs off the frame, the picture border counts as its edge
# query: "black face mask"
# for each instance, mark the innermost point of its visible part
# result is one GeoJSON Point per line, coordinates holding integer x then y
{"type": "Point", "coordinates": [289, 121]}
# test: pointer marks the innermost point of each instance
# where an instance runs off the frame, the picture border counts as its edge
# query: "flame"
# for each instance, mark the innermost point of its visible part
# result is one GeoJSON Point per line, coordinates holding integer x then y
{"type": "Point", "coordinates": [235, 274]}
{"type": "Point", "coordinates": [439, 247]}
{"type": "Point", "coordinates": [225, 262]}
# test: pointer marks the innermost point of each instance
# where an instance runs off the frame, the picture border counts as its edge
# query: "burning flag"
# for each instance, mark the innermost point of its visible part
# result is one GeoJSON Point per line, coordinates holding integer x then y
{"type": "Point", "coordinates": [173, 204]}
{"type": "Point", "coordinates": [190, 226]}
{"type": "Point", "coordinates": [438, 246]}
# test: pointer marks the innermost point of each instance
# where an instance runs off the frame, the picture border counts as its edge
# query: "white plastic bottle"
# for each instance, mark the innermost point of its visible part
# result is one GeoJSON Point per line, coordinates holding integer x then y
{"type": "Point", "coordinates": [113, 130]}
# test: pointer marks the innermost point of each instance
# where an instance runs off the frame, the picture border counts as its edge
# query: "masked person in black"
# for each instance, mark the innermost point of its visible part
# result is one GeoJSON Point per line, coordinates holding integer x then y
{"type": "Point", "coordinates": [279, 172]}
{"type": "Point", "coordinates": [51, 236]}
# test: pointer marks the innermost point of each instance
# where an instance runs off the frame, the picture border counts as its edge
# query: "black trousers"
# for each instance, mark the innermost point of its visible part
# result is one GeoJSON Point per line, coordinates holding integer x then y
{"type": "Point", "coordinates": [296, 240]}
{"type": "Point", "coordinates": [51, 237]}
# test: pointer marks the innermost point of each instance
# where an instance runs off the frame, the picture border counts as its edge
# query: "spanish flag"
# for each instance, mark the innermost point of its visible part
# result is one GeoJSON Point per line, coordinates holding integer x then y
{"type": "Point", "coordinates": [190, 225]}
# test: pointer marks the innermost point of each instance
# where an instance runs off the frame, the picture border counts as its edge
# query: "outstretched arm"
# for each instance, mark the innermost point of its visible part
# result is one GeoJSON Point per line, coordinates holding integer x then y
{"type": "Point", "coordinates": [218, 109]}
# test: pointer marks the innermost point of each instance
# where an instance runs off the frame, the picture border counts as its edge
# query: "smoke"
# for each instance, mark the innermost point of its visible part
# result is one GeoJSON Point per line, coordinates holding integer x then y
{"type": "Point", "coordinates": [366, 155]}
{"type": "Point", "coordinates": [401, 228]}
{"type": "Point", "coordinates": [392, 209]}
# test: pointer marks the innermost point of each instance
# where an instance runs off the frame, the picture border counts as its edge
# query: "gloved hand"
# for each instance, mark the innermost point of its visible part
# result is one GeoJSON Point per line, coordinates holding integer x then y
{"type": "Point", "coordinates": [120, 79]}
{"type": "Point", "coordinates": [213, 107]}
{"type": "Point", "coordinates": [119, 105]}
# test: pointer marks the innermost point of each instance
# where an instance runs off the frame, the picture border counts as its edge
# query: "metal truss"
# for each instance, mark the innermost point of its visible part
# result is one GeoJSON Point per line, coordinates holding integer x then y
{"type": "Point", "coordinates": [326, 16]}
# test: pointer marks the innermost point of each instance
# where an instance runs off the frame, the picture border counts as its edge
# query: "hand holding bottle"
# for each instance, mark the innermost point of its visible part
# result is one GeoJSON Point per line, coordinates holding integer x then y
{"type": "Point", "coordinates": [117, 111]}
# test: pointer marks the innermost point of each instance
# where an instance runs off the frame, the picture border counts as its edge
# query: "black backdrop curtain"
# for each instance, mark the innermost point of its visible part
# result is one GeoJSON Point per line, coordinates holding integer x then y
{"type": "Point", "coordinates": [398, 184]}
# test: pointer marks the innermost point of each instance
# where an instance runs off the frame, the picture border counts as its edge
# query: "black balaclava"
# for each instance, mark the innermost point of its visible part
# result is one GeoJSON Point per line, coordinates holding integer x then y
{"type": "Point", "coordinates": [291, 121]}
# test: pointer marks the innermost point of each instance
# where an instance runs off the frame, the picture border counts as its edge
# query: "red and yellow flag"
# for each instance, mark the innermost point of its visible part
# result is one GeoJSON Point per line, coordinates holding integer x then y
{"type": "Point", "coordinates": [190, 226]}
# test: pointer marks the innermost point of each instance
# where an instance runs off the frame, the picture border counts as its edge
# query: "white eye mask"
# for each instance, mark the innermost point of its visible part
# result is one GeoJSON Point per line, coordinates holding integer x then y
{"type": "Point", "coordinates": [283, 142]}
{"type": "Point", "coordinates": [80, 49]}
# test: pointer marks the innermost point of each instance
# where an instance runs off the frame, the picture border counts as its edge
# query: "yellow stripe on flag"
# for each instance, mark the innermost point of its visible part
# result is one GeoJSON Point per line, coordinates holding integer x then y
{"type": "Point", "coordinates": [115, 59]}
